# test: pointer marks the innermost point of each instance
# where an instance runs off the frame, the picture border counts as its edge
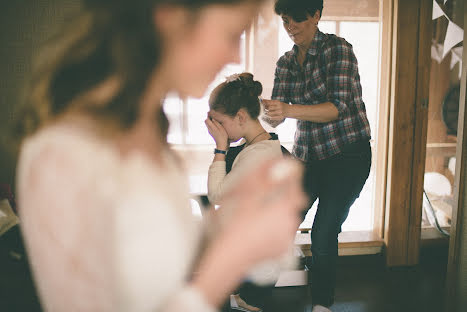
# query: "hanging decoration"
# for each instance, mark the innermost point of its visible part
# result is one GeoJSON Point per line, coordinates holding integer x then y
{"type": "Point", "coordinates": [456, 58]}
{"type": "Point", "coordinates": [437, 52]}
{"type": "Point", "coordinates": [454, 35]}
{"type": "Point", "coordinates": [437, 11]}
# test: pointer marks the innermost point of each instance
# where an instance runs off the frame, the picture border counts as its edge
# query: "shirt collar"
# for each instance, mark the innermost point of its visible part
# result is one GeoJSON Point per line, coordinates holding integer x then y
{"type": "Point", "coordinates": [315, 43]}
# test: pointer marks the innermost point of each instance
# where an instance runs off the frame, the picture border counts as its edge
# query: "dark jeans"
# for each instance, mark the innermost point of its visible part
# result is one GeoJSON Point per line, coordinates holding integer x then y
{"type": "Point", "coordinates": [336, 182]}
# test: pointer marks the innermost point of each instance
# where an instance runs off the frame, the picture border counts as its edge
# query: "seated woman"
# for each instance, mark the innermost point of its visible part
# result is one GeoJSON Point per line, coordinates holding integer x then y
{"type": "Point", "coordinates": [234, 110]}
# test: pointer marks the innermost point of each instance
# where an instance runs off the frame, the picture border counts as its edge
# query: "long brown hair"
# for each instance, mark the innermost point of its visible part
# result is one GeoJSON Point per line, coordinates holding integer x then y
{"type": "Point", "coordinates": [110, 38]}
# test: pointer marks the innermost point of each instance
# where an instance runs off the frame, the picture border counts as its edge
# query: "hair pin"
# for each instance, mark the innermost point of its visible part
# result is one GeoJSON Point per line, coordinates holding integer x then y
{"type": "Point", "coordinates": [233, 77]}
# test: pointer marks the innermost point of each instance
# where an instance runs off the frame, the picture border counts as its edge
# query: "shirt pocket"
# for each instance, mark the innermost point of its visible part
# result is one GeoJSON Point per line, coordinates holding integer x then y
{"type": "Point", "coordinates": [315, 84]}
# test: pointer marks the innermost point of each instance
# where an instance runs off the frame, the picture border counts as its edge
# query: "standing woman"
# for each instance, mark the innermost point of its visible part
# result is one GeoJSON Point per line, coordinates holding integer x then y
{"type": "Point", "coordinates": [104, 204]}
{"type": "Point", "coordinates": [318, 83]}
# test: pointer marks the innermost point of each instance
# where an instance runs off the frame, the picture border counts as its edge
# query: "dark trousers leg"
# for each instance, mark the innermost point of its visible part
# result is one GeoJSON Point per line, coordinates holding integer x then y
{"type": "Point", "coordinates": [337, 183]}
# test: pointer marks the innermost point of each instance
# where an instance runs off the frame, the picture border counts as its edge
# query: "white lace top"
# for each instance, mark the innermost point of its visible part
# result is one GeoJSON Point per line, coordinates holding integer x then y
{"type": "Point", "coordinates": [105, 233]}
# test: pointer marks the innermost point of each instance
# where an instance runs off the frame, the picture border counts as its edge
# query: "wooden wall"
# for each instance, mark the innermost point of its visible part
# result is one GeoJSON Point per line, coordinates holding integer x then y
{"type": "Point", "coordinates": [24, 26]}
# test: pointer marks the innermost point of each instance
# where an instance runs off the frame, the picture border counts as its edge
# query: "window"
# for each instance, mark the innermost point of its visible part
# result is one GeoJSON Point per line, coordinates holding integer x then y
{"type": "Point", "coordinates": [188, 134]}
{"type": "Point", "coordinates": [442, 138]}
{"type": "Point", "coordinates": [364, 36]}
{"type": "Point", "coordinates": [266, 42]}
{"type": "Point", "coordinates": [187, 116]}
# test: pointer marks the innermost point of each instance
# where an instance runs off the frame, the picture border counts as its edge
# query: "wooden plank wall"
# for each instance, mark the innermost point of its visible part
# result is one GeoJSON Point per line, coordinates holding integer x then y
{"type": "Point", "coordinates": [24, 27]}
{"type": "Point", "coordinates": [420, 131]}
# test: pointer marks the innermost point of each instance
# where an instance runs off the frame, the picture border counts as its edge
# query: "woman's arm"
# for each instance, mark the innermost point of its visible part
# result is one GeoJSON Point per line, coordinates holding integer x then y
{"type": "Point", "coordinates": [219, 182]}
{"type": "Point", "coordinates": [320, 113]}
{"type": "Point", "coordinates": [280, 92]}
{"type": "Point", "coordinates": [216, 176]}
{"type": "Point", "coordinates": [217, 172]}
{"type": "Point", "coordinates": [341, 71]}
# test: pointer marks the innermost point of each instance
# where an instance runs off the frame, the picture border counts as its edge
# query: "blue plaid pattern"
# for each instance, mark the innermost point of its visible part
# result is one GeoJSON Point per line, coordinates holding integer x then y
{"type": "Point", "coordinates": [329, 74]}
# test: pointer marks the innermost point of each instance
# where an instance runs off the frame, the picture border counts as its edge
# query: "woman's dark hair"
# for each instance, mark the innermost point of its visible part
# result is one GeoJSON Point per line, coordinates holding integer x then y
{"type": "Point", "coordinates": [110, 38]}
{"type": "Point", "coordinates": [298, 9]}
{"type": "Point", "coordinates": [239, 91]}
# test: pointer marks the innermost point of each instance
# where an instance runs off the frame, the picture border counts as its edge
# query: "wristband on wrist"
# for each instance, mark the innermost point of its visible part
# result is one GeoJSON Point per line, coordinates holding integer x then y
{"type": "Point", "coordinates": [218, 151]}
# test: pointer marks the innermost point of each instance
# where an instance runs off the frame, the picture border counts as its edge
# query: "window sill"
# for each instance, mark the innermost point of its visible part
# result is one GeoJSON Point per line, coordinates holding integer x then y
{"type": "Point", "coordinates": [430, 236]}
{"type": "Point", "coordinates": [350, 243]}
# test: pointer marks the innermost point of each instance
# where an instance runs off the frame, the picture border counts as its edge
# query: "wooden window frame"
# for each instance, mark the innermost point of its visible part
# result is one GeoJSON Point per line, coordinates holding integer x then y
{"type": "Point", "coordinates": [353, 242]}
{"type": "Point", "coordinates": [405, 67]}
{"type": "Point", "coordinates": [456, 284]}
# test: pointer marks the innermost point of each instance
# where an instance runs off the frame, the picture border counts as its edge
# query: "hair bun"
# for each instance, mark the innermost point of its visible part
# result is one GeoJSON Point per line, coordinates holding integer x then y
{"type": "Point", "coordinates": [255, 88]}
{"type": "Point", "coordinates": [238, 91]}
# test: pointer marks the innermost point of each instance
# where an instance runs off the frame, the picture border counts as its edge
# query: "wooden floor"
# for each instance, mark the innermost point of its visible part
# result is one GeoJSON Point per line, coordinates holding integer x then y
{"type": "Point", "coordinates": [17, 293]}
{"type": "Point", "coordinates": [364, 285]}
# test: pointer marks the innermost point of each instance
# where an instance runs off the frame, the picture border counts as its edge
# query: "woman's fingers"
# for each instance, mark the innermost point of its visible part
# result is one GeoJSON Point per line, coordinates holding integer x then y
{"type": "Point", "coordinates": [211, 123]}
{"type": "Point", "coordinates": [215, 129]}
{"type": "Point", "coordinates": [216, 125]}
{"type": "Point", "coordinates": [273, 109]}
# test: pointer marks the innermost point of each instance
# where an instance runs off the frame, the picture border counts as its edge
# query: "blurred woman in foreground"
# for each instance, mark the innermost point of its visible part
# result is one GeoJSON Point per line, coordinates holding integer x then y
{"type": "Point", "coordinates": [104, 204]}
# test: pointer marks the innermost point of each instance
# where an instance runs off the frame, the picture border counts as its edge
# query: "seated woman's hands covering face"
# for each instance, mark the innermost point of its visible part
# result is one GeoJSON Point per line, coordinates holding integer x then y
{"type": "Point", "coordinates": [218, 133]}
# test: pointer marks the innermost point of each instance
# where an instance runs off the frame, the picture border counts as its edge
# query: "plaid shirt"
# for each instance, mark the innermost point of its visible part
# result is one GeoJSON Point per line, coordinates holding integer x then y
{"type": "Point", "coordinates": [329, 74]}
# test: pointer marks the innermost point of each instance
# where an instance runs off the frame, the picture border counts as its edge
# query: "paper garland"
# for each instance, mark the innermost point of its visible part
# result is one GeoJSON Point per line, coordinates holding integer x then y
{"type": "Point", "coordinates": [437, 52]}
{"type": "Point", "coordinates": [456, 57]}
{"type": "Point", "coordinates": [454, 35]}
{"type": "Point", "coordinates": [437, 11]}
